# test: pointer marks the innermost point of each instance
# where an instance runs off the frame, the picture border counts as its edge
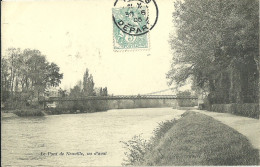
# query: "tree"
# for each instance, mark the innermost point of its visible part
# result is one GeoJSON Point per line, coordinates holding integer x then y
{"type": "Point", "coordinates": [5, 84]}
{"type": "Point", "coordinates": [62, 93]}
{"type": "Point", "coordinates": [13, 55]}
{"type": "Point", "coordinates": [75, 91]}
{"type": "Point", "coordinates": [85, 82]}
{"type": "Point", "coordinates": [42, 74]}
{"type": "Point", "coordinates": [101, 91]}
{"type": "Point", "coordinates": [86, 88]}
{"type": "Point", "coordinates": [26, 74]}
{"type": "Point", "coordinates": [216, 45]}
{"type": "Point", "coordinates": [104, 91]}
{"type": "Point", "coordinates": [88, 84]}
{"type": "Point", "coordinates": [53, 75]}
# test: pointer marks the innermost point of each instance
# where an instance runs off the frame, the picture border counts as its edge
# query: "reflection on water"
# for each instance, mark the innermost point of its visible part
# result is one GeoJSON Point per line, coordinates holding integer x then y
{"type": "Point", "coordinates": [40, 140]}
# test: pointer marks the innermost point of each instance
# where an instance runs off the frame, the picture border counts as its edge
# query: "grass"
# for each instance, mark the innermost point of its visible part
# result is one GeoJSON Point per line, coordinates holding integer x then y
{"type": "Point", "coordinates": [196, 139]}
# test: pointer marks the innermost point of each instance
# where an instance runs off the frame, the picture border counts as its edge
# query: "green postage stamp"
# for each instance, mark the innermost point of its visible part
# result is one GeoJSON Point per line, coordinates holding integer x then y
{"type": "Point", "coordinates": [131, 24]}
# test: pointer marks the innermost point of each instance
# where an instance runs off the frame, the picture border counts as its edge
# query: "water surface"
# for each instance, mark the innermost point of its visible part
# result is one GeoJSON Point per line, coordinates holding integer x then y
{"type": "Point", "coordinates": [26, 140]}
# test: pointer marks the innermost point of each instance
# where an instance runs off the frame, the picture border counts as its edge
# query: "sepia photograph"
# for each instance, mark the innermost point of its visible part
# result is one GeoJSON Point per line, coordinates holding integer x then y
{"type": "Point", "coordinates": [130, 83]}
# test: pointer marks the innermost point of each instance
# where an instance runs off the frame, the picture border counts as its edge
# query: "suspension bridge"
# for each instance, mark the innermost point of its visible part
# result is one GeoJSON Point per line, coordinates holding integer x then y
{"type": "Point", "coordinates": [119, 97]}
{"type": "Point", "coordinates": [153, 95]}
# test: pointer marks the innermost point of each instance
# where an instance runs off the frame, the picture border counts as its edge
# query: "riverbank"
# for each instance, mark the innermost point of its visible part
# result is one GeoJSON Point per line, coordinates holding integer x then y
{"type": "Point", "coordinates": [195, 139]}
{"type": "Point", "coordinates": [27, 112]}
{"type": "Point", "coordinates": [31, 112]}
{"type": "Point", "coordinates": [37, 111]}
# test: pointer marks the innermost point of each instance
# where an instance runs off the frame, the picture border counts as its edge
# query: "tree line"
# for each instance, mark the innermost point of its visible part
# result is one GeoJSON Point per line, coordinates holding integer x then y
{"type": "Point", "coordinates": [25, 75]}
{"type": "Point", "coordinates": [216, 47]}
{"type": "Point", "coordinates": [86, 87]}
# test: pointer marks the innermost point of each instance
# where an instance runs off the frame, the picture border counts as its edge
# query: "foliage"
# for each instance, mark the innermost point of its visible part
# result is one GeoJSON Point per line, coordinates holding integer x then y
{"type": "Point", "coordinates": [80, 90]}
{"type": "Point", "coordinates": [62, 93]}
{"type": "Point", "coordinates": [246, 109]}
{"type": "Point", "coordinates": [25, 75]}
{"type": "Point", "coordinates": [28, 112]}
{"type": "Point", "coordinates": [88, 84]}
{"type": "Point", "coordinates": [138, 147]}
{"type": "Point", "coordinates": [162, 129]}
{"type": "Point", "coordinates": [103, 91]}
{"type": "Point", "coordinates": [216, 45]}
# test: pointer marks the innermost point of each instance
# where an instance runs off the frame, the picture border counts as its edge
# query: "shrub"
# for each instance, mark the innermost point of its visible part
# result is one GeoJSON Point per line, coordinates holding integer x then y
{"type": "Point", "coordinates": [246, 109]}
{"type": "Point", "coordinates": [136, 150]}
{"type": "Point", "coordinates": [28, 112]}
{"type": "Point", "coordinates": [164, 127]}
{"type": "Point", "coordinates": [138, 147]}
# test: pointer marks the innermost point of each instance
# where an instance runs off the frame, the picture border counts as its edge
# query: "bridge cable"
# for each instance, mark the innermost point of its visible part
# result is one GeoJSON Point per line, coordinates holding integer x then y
{"type": "Point", "coordinates": [158, 91]}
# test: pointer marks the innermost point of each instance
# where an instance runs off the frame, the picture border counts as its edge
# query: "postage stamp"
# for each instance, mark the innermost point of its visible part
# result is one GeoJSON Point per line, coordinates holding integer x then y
{"type": "Point", "coordinates": [131, 23]}
{"type": "Point", "coordinates": [123, 41]}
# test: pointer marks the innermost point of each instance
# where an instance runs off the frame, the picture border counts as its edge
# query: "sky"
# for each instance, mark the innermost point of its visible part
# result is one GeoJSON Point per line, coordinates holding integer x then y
{"type": "Point", "coordinates": [79, 34]}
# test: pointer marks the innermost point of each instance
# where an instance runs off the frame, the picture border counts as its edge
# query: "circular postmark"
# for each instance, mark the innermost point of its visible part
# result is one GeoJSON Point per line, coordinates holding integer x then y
{"type": "Point", "coordinates": [135, 17]}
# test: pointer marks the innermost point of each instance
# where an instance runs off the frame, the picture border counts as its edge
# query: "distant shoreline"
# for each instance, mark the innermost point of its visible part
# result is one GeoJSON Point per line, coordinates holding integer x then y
{"type": "Point", "coordinates": [40, 112]}
{"type": "Point", "coordinates": [29, 112]}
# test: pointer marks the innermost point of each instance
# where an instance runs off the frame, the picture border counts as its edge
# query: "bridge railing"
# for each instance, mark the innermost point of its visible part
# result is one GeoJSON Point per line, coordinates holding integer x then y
{"type": "Point", "coordinates": [118, 97]}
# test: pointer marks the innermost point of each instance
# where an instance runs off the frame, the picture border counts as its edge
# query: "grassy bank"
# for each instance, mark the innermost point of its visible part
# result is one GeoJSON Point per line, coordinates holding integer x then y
{"type": "Point", "coordinates": [195, 139]}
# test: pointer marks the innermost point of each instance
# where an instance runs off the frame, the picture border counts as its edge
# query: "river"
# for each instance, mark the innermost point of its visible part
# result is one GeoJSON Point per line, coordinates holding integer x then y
{"type": "Point", "coordinates": [70, 139]}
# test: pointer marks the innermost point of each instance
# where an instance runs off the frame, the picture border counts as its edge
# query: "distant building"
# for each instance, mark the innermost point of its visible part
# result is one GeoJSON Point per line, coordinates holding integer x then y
{"type": "Point", "coordinates": [51, 92]}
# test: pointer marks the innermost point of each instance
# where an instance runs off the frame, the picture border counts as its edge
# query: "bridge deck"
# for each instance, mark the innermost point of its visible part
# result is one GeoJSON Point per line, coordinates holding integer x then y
{"type": "Point", "coordinates": [120, 97]}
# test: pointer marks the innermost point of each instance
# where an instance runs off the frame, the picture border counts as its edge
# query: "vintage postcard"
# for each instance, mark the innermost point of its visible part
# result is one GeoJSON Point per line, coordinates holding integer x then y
{"type": "Point", "coordinates": [130, 83]}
